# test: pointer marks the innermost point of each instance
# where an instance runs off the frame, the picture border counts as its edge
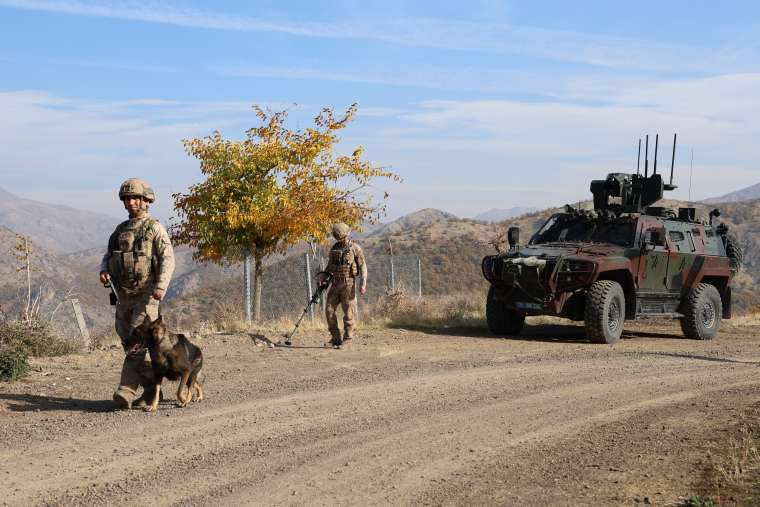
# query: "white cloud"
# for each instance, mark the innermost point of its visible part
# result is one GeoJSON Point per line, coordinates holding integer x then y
{"type": "Point", "coordinates": [509, 148]}
{"type": "Point", "coordinates": [583, 48]}
{"type": "Point", "coordinates": [69, 148]}
{"type": "Point", "coordinates": [463, 156]}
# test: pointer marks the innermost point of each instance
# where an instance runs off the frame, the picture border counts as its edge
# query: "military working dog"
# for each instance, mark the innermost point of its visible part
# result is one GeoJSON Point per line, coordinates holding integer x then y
{"type": "Point", "coordinates": [172, 356]}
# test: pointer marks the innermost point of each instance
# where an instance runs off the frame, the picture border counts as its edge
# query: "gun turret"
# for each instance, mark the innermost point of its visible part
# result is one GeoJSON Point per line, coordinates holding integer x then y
{"type": "Point", "coordinates": [633, 193]}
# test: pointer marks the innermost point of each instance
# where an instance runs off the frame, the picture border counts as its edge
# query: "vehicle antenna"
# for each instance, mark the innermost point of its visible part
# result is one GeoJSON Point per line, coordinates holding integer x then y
{"type": "Point", "coordinates": [656, 142]}
{"type": "Point", "coordinates": [646, 159]}
{"type": "Point", "coordinates": [638, 160]}
{"type": "Point", "coordinates": [691, 171]}
{"type": "Point", "coordinates": [673, 159]}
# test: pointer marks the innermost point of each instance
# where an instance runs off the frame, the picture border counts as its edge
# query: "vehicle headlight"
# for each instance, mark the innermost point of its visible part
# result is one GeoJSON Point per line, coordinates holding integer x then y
{"type": "Point", "coordinates": [574, 266]}
{"type": "Point", "coordinates": [574, 273]}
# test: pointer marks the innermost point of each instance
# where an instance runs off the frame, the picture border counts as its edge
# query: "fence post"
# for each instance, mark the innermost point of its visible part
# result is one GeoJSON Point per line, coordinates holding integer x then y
{"type": "Point", "coordinates": [419, 276]}
{"type": "Point", "coordinates": [247, 282]}
{"type": "Point", "coordinates": [308, 286]}
{"type": "Point", "coordinates": [393, 272]}
{"type": "Point", "coordinates": [80, 321]}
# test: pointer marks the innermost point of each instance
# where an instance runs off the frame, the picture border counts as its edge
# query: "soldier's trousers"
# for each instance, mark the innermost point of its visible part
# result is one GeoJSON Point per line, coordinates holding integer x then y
{"type": "Point", "coordinates": [136, 371]}
{"type": "Point", "coordinates": [343, 293]}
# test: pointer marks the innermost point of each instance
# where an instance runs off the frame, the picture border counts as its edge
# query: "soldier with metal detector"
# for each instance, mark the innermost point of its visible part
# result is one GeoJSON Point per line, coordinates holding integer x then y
{"type": "Point", "coordinates": [137, 267]}
{"type": "Point", "coordinates": [345, 264]}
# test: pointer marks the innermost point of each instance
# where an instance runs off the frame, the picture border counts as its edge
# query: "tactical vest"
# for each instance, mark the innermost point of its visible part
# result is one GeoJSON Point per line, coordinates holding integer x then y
{"type": "Point", "coordinates": [343, 263]}
{"type": "Point", "coordinates": [133, 264]}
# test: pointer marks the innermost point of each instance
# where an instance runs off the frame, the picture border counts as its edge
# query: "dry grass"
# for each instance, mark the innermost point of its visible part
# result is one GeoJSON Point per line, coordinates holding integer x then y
{"type": "Point", "coordinates": [741, 462]}
{"type": "Point", "coordinates": [398, 309]}
{"type": "Point", "coordinates": [104, 338]}
{"type": "Point", "coordinates": [747, 320]}
{"type": "Point", "coordinates": [20, 340]}
{"type": "Point", "coordinates": [394, 309]}
{"type": "Point", "coordinates": [734, 476]}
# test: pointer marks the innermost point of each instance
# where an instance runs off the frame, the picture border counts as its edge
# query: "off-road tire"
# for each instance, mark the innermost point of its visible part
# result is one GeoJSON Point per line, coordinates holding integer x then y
{"type": "Point", "coordinates": [502, 320]}
{"type": "Point", "coordinates": [604, 314]}
{"type": "Point", "coordinates": [734, 253]}
{"type": "Point", "coordinates": [702, 313]}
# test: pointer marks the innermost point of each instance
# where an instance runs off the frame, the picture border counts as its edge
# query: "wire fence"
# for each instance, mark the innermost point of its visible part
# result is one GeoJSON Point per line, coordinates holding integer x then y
{"type": "Point", "coordinates": [288, 285]}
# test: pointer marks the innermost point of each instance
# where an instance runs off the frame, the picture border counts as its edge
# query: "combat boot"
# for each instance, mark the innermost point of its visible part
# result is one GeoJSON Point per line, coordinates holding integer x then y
{"type": "Point", "coordinates": [336, 342]}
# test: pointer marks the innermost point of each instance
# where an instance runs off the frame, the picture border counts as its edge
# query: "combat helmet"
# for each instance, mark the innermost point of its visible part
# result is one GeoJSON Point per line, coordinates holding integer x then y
{"type": "Point", "coordinates": [137, 187]}
{"type": "Point", "coordinates": [340, 231]}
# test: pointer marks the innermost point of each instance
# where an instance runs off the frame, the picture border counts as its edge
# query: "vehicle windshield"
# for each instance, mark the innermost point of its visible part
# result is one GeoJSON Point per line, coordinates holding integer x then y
{"type": "Point", "coordinates": [570, 228]}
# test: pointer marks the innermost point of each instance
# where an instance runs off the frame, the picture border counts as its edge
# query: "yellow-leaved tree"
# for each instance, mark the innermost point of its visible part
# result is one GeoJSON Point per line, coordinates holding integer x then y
{"type": "Point", "coordinates": [273, 189]}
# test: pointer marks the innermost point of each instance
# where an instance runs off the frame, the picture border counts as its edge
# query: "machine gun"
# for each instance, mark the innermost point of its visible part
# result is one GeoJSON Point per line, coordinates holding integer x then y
{"type": "Point", "coordinates": [635, 192]}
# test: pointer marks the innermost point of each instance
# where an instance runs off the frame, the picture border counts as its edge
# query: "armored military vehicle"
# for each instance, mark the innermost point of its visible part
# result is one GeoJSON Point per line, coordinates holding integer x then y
{"type": "Point", "coordinates": [623, 259]}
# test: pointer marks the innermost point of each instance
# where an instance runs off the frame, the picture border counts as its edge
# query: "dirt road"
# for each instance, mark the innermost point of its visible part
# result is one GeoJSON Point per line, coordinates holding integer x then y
{"type": "Point", "coordinates": [399, 417]}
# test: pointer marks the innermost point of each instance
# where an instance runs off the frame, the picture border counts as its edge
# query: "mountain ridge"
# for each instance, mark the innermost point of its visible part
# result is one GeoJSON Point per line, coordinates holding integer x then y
{"type": "Point", "coordinates": [55, 227]}
{"type": "Point", "coordinates": [744, 194]}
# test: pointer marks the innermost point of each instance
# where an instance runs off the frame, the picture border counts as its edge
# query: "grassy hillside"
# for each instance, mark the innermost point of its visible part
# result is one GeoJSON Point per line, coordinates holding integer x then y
{"type": "Point", "coordinates": [53, 277]}
{"type": "Point", "coordinates": [450, 251]}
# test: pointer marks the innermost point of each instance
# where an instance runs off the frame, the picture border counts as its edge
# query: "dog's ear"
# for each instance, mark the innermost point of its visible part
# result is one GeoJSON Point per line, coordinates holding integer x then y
{"type": "Point", "coordinates": [160, 319]}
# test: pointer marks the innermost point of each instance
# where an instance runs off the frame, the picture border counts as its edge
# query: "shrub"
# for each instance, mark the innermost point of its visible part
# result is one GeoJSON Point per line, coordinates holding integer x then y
{"type": "Point", "coordinates": [396, 308]}
{"type": "Point", "coordinates": [36, 339]}
{"type": "Point", "coordinates": [700, 501]}
{"type": "Point", "coordinates": [14, 363]}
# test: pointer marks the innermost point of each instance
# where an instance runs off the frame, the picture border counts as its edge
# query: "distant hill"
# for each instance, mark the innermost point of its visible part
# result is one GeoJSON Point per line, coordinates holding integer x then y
{"type": "Point", "coordinates": [56, 228]}
{"type": "Point", "coordinates": [53, 276]}
{"type": "Point", "coordinates": [499, 215]}
{"type": "Point", "coordinates": [745, 194]}
{"type": "Point", "coordinates": [450, 251]}
{"type": "Point", "coordinates": [418, 218]}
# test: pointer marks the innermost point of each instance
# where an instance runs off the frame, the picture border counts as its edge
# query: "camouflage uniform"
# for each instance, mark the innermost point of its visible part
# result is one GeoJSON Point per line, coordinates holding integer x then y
{"type": "Point", "coordinates": [346, 263]}
{"type": "Point", "coordinates": [139, 260]}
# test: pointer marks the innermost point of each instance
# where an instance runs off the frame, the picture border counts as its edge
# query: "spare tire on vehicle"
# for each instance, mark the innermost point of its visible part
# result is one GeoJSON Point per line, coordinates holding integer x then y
{"type": "Point", "coordinates": [734, 252]}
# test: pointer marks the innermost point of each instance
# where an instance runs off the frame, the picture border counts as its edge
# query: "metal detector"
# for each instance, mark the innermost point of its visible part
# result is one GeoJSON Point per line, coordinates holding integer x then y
{"type": "Point", "coordinates": [323, 279]}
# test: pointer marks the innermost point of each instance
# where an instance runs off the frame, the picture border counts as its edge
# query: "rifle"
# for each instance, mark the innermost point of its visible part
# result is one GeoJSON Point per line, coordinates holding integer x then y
{"type": "Point", "coordinates": [324, 278]}
{"type": "Point", "coordinates": [113, 297]}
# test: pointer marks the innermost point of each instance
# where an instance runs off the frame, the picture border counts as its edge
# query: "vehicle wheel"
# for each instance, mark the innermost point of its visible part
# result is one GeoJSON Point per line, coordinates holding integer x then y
{"type": "Point", "coordinates": [734, 253]}
{"type": "Point", "coordinates": [702, 313]}
{"type": "Point", "coordinates": [605, 311]}
{"type": "Point", "coordinates": [502, 320]}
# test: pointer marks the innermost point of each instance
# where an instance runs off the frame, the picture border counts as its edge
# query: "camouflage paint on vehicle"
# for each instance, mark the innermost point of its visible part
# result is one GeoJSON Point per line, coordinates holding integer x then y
{"type": "Point", "coordinates": [658, 257]}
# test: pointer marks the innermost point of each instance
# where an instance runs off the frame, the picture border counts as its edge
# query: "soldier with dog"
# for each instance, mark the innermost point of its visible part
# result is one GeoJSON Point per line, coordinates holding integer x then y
{"type": "Point", "coordinates": [139, 264]}
{"type": "Point", "coordinates": [346, 262]}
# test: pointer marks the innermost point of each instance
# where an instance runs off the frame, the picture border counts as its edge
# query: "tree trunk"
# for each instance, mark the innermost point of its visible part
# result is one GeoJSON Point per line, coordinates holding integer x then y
{"type": "Point", "coordinates": [247, 287]}
{"type": "Point", "coordinates": [258, 271]}
{"type": "Point", "coordinates": [27, 258]}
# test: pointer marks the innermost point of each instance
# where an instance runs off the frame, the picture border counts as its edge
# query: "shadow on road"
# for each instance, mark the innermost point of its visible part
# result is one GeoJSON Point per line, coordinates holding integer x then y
{"type": "Point", "coordinates": [280, 344]}
{"type": "Point", "coordinates": [651, 334]}
{"type": "Point", "coordinates": [33, 403]}
{"type": "Point", "coordinates": [542, 333]}
{"type": "Point", "coordinates": [682, 355]}
{"type": "Point", "coordinates": [537, 332]}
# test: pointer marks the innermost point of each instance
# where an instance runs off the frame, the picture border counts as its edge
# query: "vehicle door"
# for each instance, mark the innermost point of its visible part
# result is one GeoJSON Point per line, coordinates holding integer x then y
{"type": "Point", "coordinates": [653, 261]}
{"type": "Point", "coordinates": [683, 250]}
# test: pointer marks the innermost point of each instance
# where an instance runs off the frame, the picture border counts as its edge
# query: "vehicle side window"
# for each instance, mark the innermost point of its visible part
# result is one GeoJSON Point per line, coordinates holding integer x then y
{"type": "Point", "coordinates": [680, 241]}
{"type": "Point", "coordinates": [691, 242]}
{"type": "Point", "coordinates": [655, 236]}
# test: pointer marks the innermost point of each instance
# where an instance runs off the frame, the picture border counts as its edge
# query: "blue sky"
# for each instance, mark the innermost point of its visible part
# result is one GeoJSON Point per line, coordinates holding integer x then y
{"type": "Point", "coordinates": [477, 105]}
